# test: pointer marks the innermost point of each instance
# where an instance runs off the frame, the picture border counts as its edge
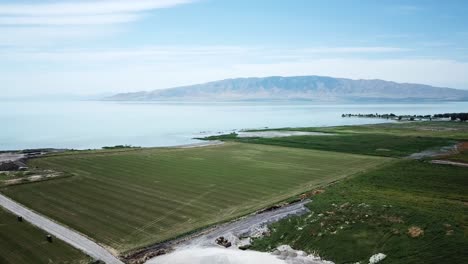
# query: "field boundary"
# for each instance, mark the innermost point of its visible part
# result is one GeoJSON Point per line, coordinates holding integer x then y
{"type": "Point", "coordinates": [62, 232]}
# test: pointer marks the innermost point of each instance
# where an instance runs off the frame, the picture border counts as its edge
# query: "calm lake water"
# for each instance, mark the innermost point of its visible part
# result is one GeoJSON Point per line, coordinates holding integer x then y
{"type": "Point", "coordinates": [89, 124]}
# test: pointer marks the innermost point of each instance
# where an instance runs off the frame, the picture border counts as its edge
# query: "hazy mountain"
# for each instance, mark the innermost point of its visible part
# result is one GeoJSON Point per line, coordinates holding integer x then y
{"type": "Point", "coordinates": [316, 88]}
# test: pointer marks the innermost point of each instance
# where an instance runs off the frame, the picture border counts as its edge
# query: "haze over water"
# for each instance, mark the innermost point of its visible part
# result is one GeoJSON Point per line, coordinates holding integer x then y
{"type": "Point", "coordinates": [93, 124]}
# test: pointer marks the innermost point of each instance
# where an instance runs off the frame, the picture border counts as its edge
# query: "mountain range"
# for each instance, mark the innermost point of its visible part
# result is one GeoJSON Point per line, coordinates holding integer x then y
{"type": "Point", "coordinates": [314, 88]}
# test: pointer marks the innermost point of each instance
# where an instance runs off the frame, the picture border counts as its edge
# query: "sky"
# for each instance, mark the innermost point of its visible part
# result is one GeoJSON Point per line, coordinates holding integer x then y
{"type": "Point", "coordinates": [108, 46]}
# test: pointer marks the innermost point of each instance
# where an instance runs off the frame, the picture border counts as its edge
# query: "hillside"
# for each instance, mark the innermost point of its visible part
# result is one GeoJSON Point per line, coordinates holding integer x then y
{"type": "Point", "coordinates": [316, 88]}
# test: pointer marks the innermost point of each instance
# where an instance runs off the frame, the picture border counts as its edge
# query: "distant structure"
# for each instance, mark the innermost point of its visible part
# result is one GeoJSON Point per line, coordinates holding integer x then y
{"type": "Point", "coordinates": [461, 117]}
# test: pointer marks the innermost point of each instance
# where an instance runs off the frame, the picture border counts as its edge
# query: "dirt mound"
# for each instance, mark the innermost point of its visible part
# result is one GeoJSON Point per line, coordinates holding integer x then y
{"type": "Point", "coordinates": [462, 146]}
{"type": "Point", "coordinates": [415, 231]}
{"type": "Point", "coordinates": [311, 193]}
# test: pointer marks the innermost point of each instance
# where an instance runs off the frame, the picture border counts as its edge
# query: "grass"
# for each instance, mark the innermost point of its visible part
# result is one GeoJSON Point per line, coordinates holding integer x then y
{"type": "Point", "coordinates": [372, 213]}
{"type": "Point", "coordinates": [21, 243]}
{"type": "Point", "coordinates": [434, 129]}
{"type": "Point", "coordinates": [129, 199]}
{"type": "Point", "coordinates": [368, 144]}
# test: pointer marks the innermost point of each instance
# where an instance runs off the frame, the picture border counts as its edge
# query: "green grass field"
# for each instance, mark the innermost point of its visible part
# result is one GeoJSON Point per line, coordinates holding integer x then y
{"type": "Point", "coordinates": [358, 143]}
{"type": "Point", "coordinates": [372, 213]}
{"type": "Point", "coordinates": [431, 129]}
{"type": "Point", "coordinates": [22, 243]}
{"type": "Point", "coordinates": [129, 199]}
{"type": "Point", "coordinates": [445, 129]}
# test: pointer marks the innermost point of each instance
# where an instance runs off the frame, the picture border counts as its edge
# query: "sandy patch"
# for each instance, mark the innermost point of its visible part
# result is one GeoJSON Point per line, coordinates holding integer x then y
{"type": "Point", "coordinates": [201, 144]}
{"type": "Point", "coordinates": [415, 231]}
{"type": "Point", "coordinates": [274, 134]}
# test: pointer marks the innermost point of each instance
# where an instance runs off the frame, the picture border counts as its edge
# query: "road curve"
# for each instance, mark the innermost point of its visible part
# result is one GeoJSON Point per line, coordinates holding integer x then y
{"type": "Point", "coordinates": [61, 232]}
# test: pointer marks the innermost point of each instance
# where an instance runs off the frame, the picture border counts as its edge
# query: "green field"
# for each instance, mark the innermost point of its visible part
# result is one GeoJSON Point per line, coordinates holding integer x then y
{"type": "Point", "coordinates": [127, 199]}
{"type": "Point", "coordinates": [434, 129]}
{"type": "Point", "coordinates": [367, 144]}
{"type": "Point", "coordinates": [372, 213]}
{"type": "Point", "coordinates": [22, 243]}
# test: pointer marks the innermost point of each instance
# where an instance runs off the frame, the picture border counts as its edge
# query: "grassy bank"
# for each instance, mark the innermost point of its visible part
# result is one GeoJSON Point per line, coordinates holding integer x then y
{"type": "Point", "coordinates": [22, 243]}
{"type": "Point", "coordinates": [128, 199]}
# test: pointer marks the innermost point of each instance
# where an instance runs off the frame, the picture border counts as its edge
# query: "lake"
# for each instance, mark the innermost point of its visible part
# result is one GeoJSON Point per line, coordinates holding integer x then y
{"type": "Point", "coordinates": [94, 124]}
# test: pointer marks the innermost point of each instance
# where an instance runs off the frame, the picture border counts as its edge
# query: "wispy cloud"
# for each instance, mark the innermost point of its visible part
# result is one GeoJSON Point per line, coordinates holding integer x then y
{"type": "Point", "coordinates": [69, 20]}
{"type": "Point", "coordinates": [81, 8]}
{"type": "Point", "coordinates": [355, 49]}
{"type": "Point", "coordinates": [408, 8]}
{"type": "Point", "coordinates": [39, 23]}
{"type": "Point", "coordinates": [94, 12]}
{"type": "Point", "coordinates": [187, 53]}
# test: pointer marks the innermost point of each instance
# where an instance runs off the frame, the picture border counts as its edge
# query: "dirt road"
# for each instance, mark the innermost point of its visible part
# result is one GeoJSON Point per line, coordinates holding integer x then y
{"type": "Point", "coordinates": [247, 226]}
{"type": "Point", "coordinates": [61, 232]}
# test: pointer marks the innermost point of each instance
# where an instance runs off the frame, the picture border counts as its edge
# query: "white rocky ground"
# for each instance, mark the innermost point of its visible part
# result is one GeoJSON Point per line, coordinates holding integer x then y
{"type": "Point", "coordinates": [218, 255]}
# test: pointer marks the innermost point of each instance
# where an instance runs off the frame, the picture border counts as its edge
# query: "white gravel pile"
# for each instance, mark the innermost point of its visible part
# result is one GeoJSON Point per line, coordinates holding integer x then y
{"type": "Point", "coordinates": [219, 255]}
{"type": "Point", "coordinates": [377, 258]}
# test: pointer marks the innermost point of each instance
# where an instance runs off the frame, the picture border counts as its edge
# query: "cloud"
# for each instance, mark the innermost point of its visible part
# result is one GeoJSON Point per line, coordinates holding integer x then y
{"type": "Point", "coordinates": [408, 9]}
{"type": "Point", "coordinates": [69, 20]}
{"type": "Point", "coordinates": [354, 50]}
{"type": "Point", "coordinates": [190, 53]}
{"type": "Point", "coordinates": [97, 12]}
{"type": "Point", "coordinates": [42, 23]}
{"type": "Point", "coordinates": [86, 7]}
{"type": "Point", "coordinates": [15, 37]}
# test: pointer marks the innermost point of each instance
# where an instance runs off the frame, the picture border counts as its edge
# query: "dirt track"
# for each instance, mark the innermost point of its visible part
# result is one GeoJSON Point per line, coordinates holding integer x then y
{"type": "Point", "coordinates": [232, 230]}
{"type": "Point", "coordinates": [448, 162]}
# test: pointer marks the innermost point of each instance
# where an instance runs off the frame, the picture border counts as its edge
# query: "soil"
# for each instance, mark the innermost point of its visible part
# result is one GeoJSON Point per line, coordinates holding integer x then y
{"type": "Point", "coordinates": [415, 231]}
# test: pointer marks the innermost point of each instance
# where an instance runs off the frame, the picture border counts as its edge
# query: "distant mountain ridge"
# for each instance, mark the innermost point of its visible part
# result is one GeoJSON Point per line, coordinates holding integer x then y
{"type": "Point", "coordinates": [315, 88]}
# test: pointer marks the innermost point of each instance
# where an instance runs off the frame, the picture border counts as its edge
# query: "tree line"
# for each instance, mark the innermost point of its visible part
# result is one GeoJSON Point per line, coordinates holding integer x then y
{"type": "Point", "coordinates": [463, 117]}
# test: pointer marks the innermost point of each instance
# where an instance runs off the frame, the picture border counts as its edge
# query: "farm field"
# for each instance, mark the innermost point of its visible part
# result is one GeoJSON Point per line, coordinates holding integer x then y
{"type": "Point", "coordinates": [127, 199]}
{"type": "Point", "coordinates": [22, 243]}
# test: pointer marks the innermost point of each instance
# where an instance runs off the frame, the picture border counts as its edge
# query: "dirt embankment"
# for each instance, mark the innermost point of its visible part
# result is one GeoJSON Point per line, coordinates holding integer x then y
{"type": "Point", "coordinates": [446, 159]}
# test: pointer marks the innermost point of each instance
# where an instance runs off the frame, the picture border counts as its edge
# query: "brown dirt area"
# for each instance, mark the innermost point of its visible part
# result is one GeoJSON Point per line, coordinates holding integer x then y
{"type": "Point", "coordinates": [415, 231]}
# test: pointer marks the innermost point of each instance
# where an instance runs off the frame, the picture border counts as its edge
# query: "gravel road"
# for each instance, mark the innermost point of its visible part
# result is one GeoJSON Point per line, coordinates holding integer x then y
{"type": "Point", "coordinates": [248, 225]}
{"type": "Point", "coordinates": [61, 232]}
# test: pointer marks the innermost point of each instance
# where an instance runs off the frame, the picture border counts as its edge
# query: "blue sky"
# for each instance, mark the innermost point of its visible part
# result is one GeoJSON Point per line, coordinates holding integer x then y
{"type": "Point", "coordinates": [91, 46]}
